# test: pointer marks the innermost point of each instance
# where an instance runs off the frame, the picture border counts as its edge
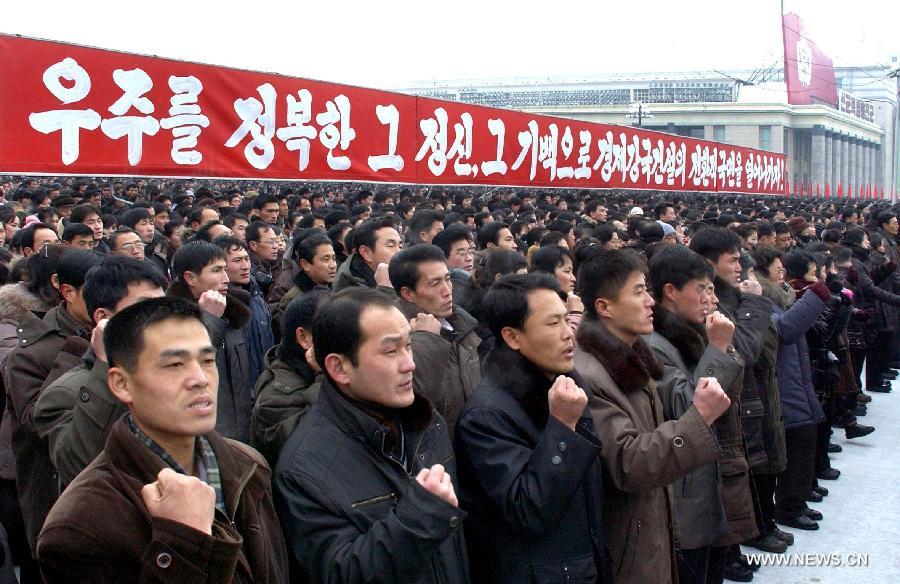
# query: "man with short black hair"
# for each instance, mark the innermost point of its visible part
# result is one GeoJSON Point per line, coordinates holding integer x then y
{"type": "Point", "coordinates": [75, 413]}
{"type": "Point", "coordinates": [364, 486]}
{"type": "Point", "coordinates": [375, 242]}
{"type": "Point", "coordinates": [79, 236]}
{"type": "Point", "coordinates": [496, 234]}
{"type": "Point", "coordinates": [263, 247]}
{"type": "Point", "coordinates": [445, 343]}
{"type": "Point", "coordinates": [529, 464]}
{"type": "Point", "coordinates": [690, 338]}
{"type": "Point", "coordinates": [424, 225]}
{"type": "Point", "coordinates": [36, 236]}
{"type": "Point", "coordinates": [642, 454]}
{"type": "Point", "coordinates": [127, 243]}
{"type": "Point", "coordinates": [199, 274]}
{"type": "Point", "coordinates": [266, 209]}
{"type": "Point", "coordinates": [168, 499]}
{"type": "Point", "coordinates": [243, 286]}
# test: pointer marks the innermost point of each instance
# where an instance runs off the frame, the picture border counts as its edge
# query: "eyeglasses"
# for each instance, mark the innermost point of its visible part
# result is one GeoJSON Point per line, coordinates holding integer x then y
{"type": "Point", "coordinates": [464, 253]}
{"type": "Point", "coordinates": [780, 271]}
{"type": "Point", "coordinates": [130, 246]}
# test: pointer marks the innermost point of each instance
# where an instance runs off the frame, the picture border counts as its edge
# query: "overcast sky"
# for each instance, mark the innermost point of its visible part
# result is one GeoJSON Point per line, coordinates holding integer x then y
{"type": "Point", "coordinates": [392, 44]}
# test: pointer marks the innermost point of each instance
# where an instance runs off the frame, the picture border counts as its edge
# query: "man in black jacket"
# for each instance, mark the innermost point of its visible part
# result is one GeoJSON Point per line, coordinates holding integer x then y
{"type": "Point", "coordinates": [364, 486]}
{"type": "Point", "coordinates": [200, 275]}
{"type": "Point", "coordinates": [529, 458]}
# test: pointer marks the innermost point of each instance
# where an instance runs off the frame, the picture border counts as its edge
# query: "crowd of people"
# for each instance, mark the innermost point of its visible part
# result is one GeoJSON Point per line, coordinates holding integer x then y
{"type": "Point", "coordinates": [221, 382]}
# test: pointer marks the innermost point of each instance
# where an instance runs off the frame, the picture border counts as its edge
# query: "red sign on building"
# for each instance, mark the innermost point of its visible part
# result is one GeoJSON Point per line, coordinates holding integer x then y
{"type": "Point", "coordinates": [808, 73]}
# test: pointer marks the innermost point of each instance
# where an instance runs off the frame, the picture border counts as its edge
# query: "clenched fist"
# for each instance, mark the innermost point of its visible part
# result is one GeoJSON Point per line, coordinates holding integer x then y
{"type": "Point", "coordinates": [382, 278]}
{"type": "Point", "coordinates": [710, 400]}
{"type": "Point", "coordinates": [181, 498]}
{"type": "Point", "coordinates": [437, 482]}
{"type": "Point", "coordinates": [97, 340]}
{"type": "Point", "coordinates": [567, 401]}
{"type": "Point", "coordinates": [213, 302]}
{"type": "Point", "coordinates": [425, 322]}
{"type": "Point", "coordinates": [574, 303]}
{"type": "Point", "coordinates": [719, 330]}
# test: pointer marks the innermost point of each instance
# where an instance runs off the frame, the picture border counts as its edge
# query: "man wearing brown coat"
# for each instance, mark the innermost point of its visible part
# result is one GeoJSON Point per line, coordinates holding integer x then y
{"type": "Point", "coordinates": [168, 500]}
{"type": "Point", "coordinates": [642, 453]}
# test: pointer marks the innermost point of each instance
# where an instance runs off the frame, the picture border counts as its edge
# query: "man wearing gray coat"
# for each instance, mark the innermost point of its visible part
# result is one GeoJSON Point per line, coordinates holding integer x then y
{"type": "Point", "coordinates": [691, 340]}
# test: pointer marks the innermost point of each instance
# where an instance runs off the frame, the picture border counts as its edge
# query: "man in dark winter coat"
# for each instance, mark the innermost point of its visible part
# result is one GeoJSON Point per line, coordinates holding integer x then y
{"type": "Point", "coordinates": [691, 339]}
{"type": "Point", "coordinates": [168, 499]}
{"type": "Point", "coordinates": [364, 486]}
{"type": "Point", "coordinates": [739, 299]}
{"type": "Point", "coordinates": [76, 412]}
{"type": "Point", "coordinates": [48, 347]}
{"type": "Point", "coordinates": [374, 244]}
{"type": "Point", "coordinates": [199, 274]}
{"type": "Point", "coordinates": [445, 344]}
{"type": "Point", "coordinates": [528, 456]}
{"type": "Point", "coordinates": [642, 452]}
{"type": "Point", "coordinates": [243, 285]}
{"type": "Point", "coordinates": [290, 384]}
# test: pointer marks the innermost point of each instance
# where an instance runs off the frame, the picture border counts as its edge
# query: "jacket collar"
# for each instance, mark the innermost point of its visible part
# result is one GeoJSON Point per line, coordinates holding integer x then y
{"type": "Point", "coordinates": [461, 321]}
{"type": "Point", "coordinates": [631, 368]}
{"type": "Point", "coordinates": [782, 296]}
{"type": "Point", "coordinates": [688, 338]}
{"type": "Point", "coordinates": [135, 465]}
{"type": "Point", "coordinates": [729, 296]}
{"type": "Point", "coordinates": [361, 270]}
{"type": "Point", "coordinates": [304, 282]}
{"type": "Point", "coordinates": [511, 372]}
{"type": "Point", "coordinates": [295, 375]}
{"type": "Point", "coordinates": [360, 423]}
{"type": "Point", "coordinates": [236, 312]}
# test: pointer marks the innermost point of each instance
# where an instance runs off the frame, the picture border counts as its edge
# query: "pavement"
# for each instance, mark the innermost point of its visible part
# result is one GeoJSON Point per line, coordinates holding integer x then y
{"type": "Point", "coordinates": [861, 526]}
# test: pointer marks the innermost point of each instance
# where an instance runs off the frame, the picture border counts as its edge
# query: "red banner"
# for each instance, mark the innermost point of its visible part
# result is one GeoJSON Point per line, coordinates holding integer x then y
{"type": "Point", "coordinates": [68, 109]}
{"type": "Point", "coordinates": [808, 73]}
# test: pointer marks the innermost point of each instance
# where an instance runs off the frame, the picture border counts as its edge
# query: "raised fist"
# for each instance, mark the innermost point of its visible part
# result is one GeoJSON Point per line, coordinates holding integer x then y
{"type": "Point", "coordinates": [382, 278]}
{"type": "Point", "coordinates": [181, 498]}
{"type": "Point", "coordinates": [567, 401]}
{"type": "Point", "coordinates": [574, 303]}
{"type": "Point", "coordinates": [710, 400]}
{"type": "Point", "coordinates": [437, 482]}
{"type": "Point", "coordinates": [213, 302]}
{"type": "Point", "coordinates": [97, 340]}
{"type": "Point", "coordinates": [720, 330]}
{"type": "Point", "coordinates": [425, 322]}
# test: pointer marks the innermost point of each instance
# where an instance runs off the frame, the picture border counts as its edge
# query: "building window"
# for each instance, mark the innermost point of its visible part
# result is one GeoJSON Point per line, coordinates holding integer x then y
{"type": "Point", "coordinates": [719, 133]}
{"type": "Point", "coordinates": [765, 137]}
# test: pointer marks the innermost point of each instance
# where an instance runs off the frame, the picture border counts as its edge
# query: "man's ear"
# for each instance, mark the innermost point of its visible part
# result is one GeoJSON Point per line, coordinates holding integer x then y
{"type": "Point", "coordinates": [601, 307]}
{"type": "Point", "coordinates": [366, 253]}
{"type": "Point", "coordinates": [669, 291]}
{"type": "Point", "coordinates": [305, 265]}
{"type": "Point", "coordinates": [54, 281]}
{"type": "Point", "coordinates": [338, 368]}
{"type": "Point", "coordinates": [190, 278]}
{"type": "Point", "coordinates": [303, 338]}
{"type": "Point", "coordinates": [67, 291]}
{"type": "Point", "coordinates": [511, 337]}
{"type": "Point", "coordinates": [102, 313]}
{"type": "Point", "coordinates": [406, 293]}
{"type": "Point", "coordinates": [118, 382]}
